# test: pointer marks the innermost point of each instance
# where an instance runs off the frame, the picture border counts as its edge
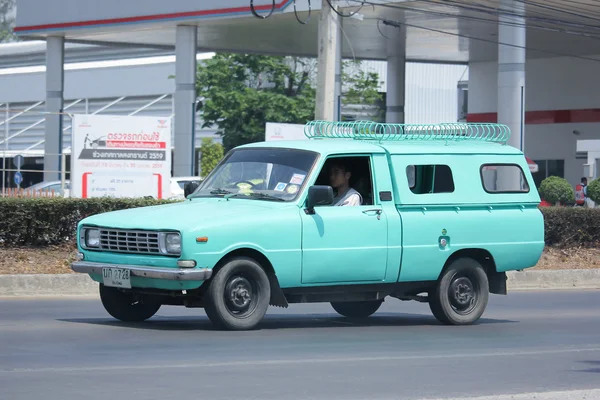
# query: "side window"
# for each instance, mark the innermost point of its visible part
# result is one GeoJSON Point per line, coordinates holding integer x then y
{"type": "Point", "coordinates": [427, 179]}
{"type": "Point", "coordinates": [361, 175]}
{"type": "Point", "coordinates": [503, 178]}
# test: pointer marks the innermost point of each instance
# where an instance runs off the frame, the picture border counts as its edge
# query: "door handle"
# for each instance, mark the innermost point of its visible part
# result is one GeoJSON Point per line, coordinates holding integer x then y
{"type": "Point", "coordinates": [375, 210]}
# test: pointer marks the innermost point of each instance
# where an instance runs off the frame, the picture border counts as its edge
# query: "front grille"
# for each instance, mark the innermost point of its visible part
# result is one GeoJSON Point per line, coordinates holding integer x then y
{"type": "Point", "coordinates": [129, 241]}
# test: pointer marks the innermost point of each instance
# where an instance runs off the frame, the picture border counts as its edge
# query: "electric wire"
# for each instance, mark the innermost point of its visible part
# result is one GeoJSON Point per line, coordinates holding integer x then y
{"type": "Point", "coordinates": [584, 33]}
{"type": "Point", "coordinates": [348, 15]}
{"type": "Point", "coordinates": [257, 15]}
{"type": "Point", "coordinates": [298, 18]}
{"type": "Point", "coordinates": [398, 24]}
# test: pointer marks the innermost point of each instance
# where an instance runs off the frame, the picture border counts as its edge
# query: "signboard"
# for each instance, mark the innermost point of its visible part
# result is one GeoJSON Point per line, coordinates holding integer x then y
{"type": "Point", "coordinates": [120, 156]}
{"type": "Point", "coordinates": [275, 131]}
{"type": "Point", "coordinates": [18, 161]}
{"type": "Point", "coordinates": [18, 178]}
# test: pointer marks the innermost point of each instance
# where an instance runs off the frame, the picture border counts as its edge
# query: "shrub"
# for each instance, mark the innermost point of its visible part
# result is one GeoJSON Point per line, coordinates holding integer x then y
{"type": "Point", "coordinates": [571, 226]}
{"type": "Point", "coordinates": [593, 191]}
{"type": "Point", "coordinates": [51, 221]}
{"type": "Point", "coordinates": [210, 155]}
{"type": "Point", "coordinates": [556, 190]}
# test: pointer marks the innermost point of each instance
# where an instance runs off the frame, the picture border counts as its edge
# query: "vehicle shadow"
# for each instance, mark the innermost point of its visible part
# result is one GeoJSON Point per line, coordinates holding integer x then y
{"type": "Point", "coordinates": [282, 321]}
{"type": "Point", "coordinates": [590, 362]}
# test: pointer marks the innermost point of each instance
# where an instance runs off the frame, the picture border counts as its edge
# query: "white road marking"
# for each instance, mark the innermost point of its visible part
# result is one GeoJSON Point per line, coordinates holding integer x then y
{"type": "Point", "coordinates": [559, 395]}
{"type": "Point", "coordinates": [297, 361]}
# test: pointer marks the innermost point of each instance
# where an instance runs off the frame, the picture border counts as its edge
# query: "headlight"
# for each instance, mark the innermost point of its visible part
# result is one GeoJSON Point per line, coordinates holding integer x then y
{"type": "Point", "coordinates": [90, 238]}
{"type": "Point", "coordinates": [173, 243]}
{"type": "Point", "coordinates": [170, 243]}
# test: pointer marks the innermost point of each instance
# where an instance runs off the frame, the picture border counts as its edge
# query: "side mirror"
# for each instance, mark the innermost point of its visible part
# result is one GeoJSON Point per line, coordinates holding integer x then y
{"type": "Point", "coordinates": [190, 188]}
{"type": "Point", "coordinates": [318, 196]}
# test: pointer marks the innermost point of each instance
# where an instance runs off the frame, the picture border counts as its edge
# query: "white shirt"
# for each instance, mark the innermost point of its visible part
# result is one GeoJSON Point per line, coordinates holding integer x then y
{"type": "Point", "coordinates": [350, 198]}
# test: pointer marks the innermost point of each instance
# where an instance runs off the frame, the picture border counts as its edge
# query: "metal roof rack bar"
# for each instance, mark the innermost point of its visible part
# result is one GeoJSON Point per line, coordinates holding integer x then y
{"type": "Point", "coordinates": [369, 130]}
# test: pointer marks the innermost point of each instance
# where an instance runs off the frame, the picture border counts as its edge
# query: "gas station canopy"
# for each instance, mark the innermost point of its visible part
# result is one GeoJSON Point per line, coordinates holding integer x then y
{"type": "Point", "coordinates": [436, 30]}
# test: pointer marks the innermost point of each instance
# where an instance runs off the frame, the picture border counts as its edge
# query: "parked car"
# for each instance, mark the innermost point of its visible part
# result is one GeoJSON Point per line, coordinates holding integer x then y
{"type": "Point", "coordinates": [48, 188]}
{"type": "Point", "coordinates": [445, 213]}
{"type": "Point", "coordinates": [178, 185]}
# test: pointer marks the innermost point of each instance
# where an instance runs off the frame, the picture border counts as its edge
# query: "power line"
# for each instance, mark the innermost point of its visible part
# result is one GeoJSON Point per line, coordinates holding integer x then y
{"type": "Point", "coordinates": [397, 24]}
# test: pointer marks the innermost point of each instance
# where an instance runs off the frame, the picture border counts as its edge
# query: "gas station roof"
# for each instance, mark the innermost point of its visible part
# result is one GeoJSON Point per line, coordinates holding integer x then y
{"type": "Point", "coordinates": [437, 30]}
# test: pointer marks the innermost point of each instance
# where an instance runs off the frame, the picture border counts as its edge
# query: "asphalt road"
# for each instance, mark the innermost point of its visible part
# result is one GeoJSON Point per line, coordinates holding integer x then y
{"type": "Point", "coordinates": [60, 349]}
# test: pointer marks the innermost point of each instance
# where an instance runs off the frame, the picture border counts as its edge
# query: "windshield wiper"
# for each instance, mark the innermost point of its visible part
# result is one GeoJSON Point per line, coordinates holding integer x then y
{"type": "Point", "coordinates": [263, 196]}
{"type": "Point", "coordinates": [220, 191]}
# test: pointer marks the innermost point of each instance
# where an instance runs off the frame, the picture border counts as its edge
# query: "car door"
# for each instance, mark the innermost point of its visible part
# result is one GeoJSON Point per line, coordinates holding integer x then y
{"type": "Point", "coordinates": [343, 244]}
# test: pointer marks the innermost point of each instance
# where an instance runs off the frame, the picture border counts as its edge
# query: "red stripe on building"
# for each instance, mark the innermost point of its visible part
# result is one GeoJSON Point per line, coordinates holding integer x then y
{"type": "Point", "coordinates": [156, 17]}
{"type": "Point", "coordinates": [545, 117]}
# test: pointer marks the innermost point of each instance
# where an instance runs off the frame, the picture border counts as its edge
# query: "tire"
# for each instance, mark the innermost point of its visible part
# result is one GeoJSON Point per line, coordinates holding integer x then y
{"type": "Point", "coordinates": [238, 296]}
{"type": "Point", "coordinates": [124, 307]}
{"type": "Point", "coordinates": [461, 293]}
{"type": "Point", "coordinates": [357, 309]}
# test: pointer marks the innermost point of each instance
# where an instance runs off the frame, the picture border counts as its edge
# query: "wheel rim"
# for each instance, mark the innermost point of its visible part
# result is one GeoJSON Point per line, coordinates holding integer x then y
{"type": "Point", "coordinates": [463, 294]}
{"type": "Point", "coordinates": [240, 294]}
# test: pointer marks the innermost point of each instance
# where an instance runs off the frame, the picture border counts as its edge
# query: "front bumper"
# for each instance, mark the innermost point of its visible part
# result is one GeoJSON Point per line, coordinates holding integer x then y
{"type": "Point", "coordinates": [174, 274]}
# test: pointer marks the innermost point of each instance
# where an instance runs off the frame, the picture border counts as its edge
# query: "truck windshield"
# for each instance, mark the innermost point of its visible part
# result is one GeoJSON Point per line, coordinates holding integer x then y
{"type": "Point", "coordinates": [263, 174]}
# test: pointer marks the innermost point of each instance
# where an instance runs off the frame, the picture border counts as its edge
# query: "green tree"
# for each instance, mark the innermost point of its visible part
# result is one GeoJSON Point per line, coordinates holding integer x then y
{"type": "Point", "coordinates": [210, 155]}
{"type": "Point", "coordinates": [593, 191]}
{"type": "Point", "coordinates": [240, 93]}
{"type": "Point", "coordinates": [557, 190]}
{"type": "Point", "coordinates": [360, 85]}
{"type": "Point", "coordinates": [7, 21]}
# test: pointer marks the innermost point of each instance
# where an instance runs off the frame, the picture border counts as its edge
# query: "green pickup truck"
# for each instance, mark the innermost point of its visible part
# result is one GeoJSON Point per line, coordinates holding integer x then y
{"type": "Point", "coordinates": [356, 213]}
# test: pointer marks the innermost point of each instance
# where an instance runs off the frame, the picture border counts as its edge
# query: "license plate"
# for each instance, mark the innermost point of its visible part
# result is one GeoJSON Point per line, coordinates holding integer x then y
{"type": "Point", "coordinates": [117, 277]}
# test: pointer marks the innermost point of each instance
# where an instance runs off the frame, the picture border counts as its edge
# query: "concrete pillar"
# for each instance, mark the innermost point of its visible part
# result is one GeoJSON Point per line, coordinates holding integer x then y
{"type": "Point", "coordinates": [55, 74]}
{"type": "Point", "coordinates": [396, 74]}
{"type": "Point", "coordinates": [511, 82]}
{"type": "Point", "coordinates": [328, 41]}
{"type": "Point", "coordinates": [337, 114]}
{"type": "Point", "coordinates": [185, 100]}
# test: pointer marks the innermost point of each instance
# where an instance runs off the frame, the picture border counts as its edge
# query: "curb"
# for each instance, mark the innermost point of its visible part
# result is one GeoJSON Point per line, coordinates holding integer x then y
{"type": "Point", "coordinates": [82, 285]}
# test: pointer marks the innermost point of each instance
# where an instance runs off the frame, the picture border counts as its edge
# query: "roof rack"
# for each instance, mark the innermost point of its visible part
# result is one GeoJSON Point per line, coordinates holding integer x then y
{"type": "Point", "coordinates": [369, 130]}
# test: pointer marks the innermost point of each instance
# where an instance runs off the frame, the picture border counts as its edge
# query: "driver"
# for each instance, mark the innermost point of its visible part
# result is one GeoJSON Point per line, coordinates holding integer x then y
{"type": "Point", "coordinates": [339, 178]}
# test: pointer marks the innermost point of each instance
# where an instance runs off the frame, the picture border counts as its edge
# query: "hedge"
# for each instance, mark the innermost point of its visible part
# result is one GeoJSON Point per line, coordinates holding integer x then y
{"type": "Point", "coordinates": [52, 221]}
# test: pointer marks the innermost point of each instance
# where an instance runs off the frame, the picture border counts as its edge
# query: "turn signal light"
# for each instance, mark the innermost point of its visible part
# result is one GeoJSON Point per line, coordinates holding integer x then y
{"type": "Point", "coordinates": [202, 239]}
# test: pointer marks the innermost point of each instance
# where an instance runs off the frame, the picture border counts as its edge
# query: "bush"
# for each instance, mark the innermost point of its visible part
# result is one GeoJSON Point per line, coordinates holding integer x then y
{"type": "Point", "coordinates": [52, 221]}
{"type": "Point", "coordinates": [557, 190]}
{"type": "Point", "coordinates": [210, 155]}
{"type": "Point", "coordinates": [593, 191]}
{"type": "Point", "coordinates": [571, 226]}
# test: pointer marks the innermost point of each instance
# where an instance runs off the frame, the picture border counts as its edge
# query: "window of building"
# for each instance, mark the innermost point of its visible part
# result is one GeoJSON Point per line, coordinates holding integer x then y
{"type": "Point", "coordinates": [423, 179]}
{"type": "Point", "coordinates": [503, 178]}
{"type": "Point", "coordinates": [548, 168]}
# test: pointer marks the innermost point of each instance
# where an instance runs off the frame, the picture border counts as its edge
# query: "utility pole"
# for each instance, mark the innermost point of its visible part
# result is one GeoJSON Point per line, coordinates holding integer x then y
{"type": "Point", "coordinates": [328, 41]}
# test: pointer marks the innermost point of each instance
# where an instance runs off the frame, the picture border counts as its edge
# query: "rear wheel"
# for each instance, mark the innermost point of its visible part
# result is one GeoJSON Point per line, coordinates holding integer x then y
{"type": "Point", "coordinates": [461, 294]}
{"type": "Point", "coordinates": [125, 306]}
{"type": "Point", "coordinates": [238, 295]}
{"type": "Point", "coordinates": [357, 309]}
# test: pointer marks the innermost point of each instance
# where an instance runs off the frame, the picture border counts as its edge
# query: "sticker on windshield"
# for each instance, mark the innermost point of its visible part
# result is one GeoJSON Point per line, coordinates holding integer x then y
{"type": "Point", "coordinates": [292, 189]}
{"type": "Point", "coordinates": [280, 186]}
{"type": "Point", "coordinates": [297, 179]}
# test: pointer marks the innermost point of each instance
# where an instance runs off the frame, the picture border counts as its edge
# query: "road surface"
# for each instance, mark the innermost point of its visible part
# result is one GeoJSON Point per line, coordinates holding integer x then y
{"type": "Point", "coordinates": [60, 349]}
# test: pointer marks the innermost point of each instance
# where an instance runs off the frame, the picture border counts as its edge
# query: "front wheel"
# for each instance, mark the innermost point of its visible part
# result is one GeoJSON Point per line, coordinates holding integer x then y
{"type": "Point", "coordinates": [238, 295]}
{"type": "Point", "coordinates": [125, 307]}
{"type": "Point", "coordinates": [357, 309]}
{"type": "Point", "coordinates": [461, 294]}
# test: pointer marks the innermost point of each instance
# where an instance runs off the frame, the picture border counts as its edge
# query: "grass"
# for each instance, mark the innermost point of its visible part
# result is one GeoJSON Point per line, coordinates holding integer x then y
{"type": "Point", "coordinates": [57, 259]}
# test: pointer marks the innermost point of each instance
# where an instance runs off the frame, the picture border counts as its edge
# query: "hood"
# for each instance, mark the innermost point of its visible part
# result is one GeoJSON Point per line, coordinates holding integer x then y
{"type": "Point", "coordinates": [184, 215]}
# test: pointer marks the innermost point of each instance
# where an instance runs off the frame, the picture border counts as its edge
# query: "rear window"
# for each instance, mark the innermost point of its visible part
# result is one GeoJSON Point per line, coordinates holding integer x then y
{"type": "Point", "coordinates": [503, 178]}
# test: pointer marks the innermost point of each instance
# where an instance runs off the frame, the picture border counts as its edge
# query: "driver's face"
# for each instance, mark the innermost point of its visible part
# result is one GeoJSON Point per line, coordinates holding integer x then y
{"type": "Point", "coordinates": [338, 177]}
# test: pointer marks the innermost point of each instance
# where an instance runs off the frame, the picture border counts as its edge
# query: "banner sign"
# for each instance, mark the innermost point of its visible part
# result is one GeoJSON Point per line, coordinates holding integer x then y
{"type": "Point", "coordinates": [120, 156]}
